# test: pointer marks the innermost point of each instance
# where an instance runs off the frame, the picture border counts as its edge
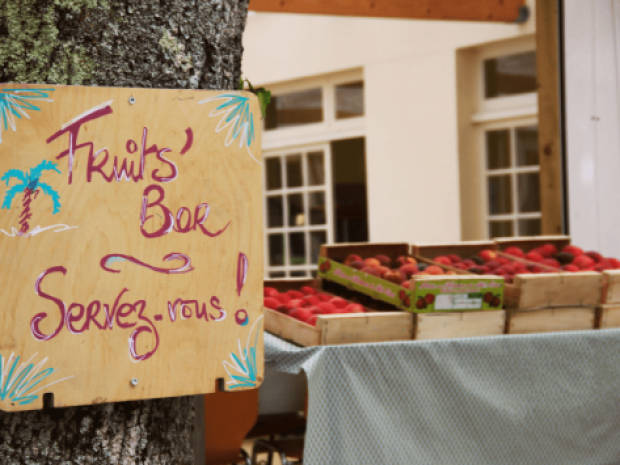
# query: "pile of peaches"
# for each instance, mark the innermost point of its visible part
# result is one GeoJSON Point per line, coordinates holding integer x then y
{"type": "Point", "coordinates": [306, 303]}
{"type": "Point", "coordinates": [398, 271]}
{"type": "Point", "coordinates": [544, 259]}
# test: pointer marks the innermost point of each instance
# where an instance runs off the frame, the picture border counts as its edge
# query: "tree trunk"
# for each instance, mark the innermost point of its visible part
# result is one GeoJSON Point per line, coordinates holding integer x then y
{"type": "Point", "coordinates": [182, 44]}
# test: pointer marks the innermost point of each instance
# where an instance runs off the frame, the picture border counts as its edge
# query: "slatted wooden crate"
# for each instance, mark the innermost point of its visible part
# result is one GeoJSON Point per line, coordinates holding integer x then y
{"type": "Point", "coordinates": [529, 243]}
{"type": "Point", "coordinates": [608, 316]}
{"type": "Point", "coordinates": [378, 326]}
{"type": "Point", "coordinates": [611, 289]}
{"type": "Point", "coordinates": [553, 302]}
{"type": "Point", "coordinates": [346, 328]}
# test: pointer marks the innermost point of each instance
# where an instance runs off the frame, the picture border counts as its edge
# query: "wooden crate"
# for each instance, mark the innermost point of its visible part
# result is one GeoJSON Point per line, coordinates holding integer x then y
{"type": "Point", "coordinates": [347, 328]}
{"type": "Point", "coordinates": [608, 316]}
{"type": "Point", "coordinates": [459, 324]}
{"type": "Point", "coordinates": [550, 320]}
{"type": "Point", "coordinates": [377, 326]}
{"type": "Point", "coordinates": [553, 302]}
{"type": "Point", "coordinates": [611, 288]}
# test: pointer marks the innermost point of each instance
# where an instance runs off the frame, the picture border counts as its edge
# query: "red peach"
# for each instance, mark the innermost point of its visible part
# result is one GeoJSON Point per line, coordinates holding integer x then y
{"type": "Point", "coordinates": [295, 303]}
{"type": "Point", "coordinates": [352, 258]}
{"type": "Point", "coordinates": [372, 270]}
{"type": "Point", "coordinates": [487, 255]}
{"type": "Point", "coordinates": [571, 268]}
{"type": "Point", "coordinates": [302, 314]}
{"type": "Point", "coordinates": [534, 257]}
{"type": "Point", "coordinates": [372, 262]}
{"type": "Point", "coordinates": [573, 249]}
{"type": "Point", "coordinates": [357, 265]}
{"type": "Point", "coordinates": [384, 259]}
{"type": "Point", "coordinates": [583, 262]}
{"type": "Point", "coordinates": [443, 260]}
{"type": "Point", "coordinates": [402, 260]}
{"type": "Point", "coordinates": [534, 269]}
{"type": "Point", "coordinates": [295, 294]}
{"type": "Point", "coordinates": [284, 298]}
{"type": "Point", "coordinates": [383, 270]}
{"type": "Point", "coordinates": [314, 309]}
{"type": "Point", "coordinates": [597, 257]}
{"type": "Point", "coordinates": [503, 260]}
{"type": "Point", "coordinates": [409, 269]}
{"type": "Point", "coordinates": [271, 303]}
{"type": "Point", "coordinates": [327, 308]}
{"type": "Point", "coordinates": [548, 250]}
{"type": "Point", "coordinates": [459, 266]}
{"type": "Point", "coordinates": [551, 262]}
{"type": "Point", "coordinates": [270, 292]}
{"type": "Point", "coordinates": [468, 263]}
{"type": "Point", "coordinates": [393, 277]}
{"type": "Point", "coordinates": [324, 297]}
{"type": "Point", "coordinates": [312, 320]}
{"type": "Point", "coordinates": [355, 308]}
{"type": "Point", "coordinates": [434, 270]}
{"type": "Point", "coordinates": [339, 302]}
{"type": "Point", "coordinates": [454, 258]}
{"type": "Point", "coordinates": [282, 308]}
{"type": "Point", "coordinates": [307, 290]}
{"type": "Point", "coordinates": [313, 299]}
{"type": "Point", "coordinates": [493, 264]}
{"type": "Point", "coordinates": [515, 252]}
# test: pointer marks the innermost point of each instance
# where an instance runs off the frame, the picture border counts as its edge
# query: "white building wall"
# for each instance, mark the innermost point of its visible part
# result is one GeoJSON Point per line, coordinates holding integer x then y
{"type": "Point", "coordinates": [411, 104]}
{"type": "Point", "coordinates": [592, 54]}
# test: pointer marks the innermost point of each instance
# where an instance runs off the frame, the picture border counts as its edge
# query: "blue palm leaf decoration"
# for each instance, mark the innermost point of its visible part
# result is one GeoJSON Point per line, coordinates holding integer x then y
{"type": "Point", "coordinates": [11, 193]}
{"type": "Point", "coordinates": [246, 364]}
{"type": "Point", "coordinates": [17, 383]}
{"type": "Point", "coordinates": [30, 181]}
{"type": "Point", "coordinates": [236, 115]}
{"type": "Point", "coordinates": [16, 103]}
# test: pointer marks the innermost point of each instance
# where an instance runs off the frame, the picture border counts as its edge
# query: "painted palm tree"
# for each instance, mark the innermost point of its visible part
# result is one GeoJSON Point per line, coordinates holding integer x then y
{"type": "Point", "coordinates": [29, 184]}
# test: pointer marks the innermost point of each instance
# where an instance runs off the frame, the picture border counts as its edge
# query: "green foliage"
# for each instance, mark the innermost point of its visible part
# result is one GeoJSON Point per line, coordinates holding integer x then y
{"type": "Point", "coordinates": [30, 50]}
{"type": "Point", "coordinates": [264, 95]}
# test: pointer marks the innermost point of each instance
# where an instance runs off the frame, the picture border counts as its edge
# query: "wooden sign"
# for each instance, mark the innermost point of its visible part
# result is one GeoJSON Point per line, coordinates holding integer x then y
{"type": "Point", "coordinates": [131, 244]}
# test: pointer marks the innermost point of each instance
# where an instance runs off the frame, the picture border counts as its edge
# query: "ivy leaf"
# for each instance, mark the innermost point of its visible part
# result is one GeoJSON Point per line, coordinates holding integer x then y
{"type": "Point", "coordinates": [264, 97]}
{"type": "Point", "coordinates": [241, 84]}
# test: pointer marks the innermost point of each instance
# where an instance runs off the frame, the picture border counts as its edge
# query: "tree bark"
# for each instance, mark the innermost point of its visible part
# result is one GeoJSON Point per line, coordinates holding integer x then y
{"type": "Point", "coordinates": [182, 44]}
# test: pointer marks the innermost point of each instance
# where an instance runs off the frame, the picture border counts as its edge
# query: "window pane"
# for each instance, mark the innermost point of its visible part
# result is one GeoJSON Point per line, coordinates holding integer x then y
{"type": "Point", "coordinates": [275, 212]}
{"type": "Point", "coordinates": [530, 227]}
{"type": "Point", "coordinates": [299, 274]}
{"type": "Point", "coordinates": [317, 238]}
{"type": "Point", "coordinates": [510, 75]}
{"type": "Point", "coordinates": [297, 246]}
{"type": "Point", "coordinates": [293, 171]}
{"type": "Point", "coordinates": [527, 146]}
{"type": "Point", "coordinates": [350, 100]}
{"type": "Point", "coordinates": [295, 109]}
{"type": "Point", "coordinates": [500, 195]}
{"type": "Point", "coordinates": [313, 273]}
{"type": "Point", "coordinates": [296, 210]}
{"type": "Point", "coordinates": [277, 274]}
{"type": "Point", "coordinates": [276, 249]}
{"type": "Point", "coordinates": [316, 207]}
{"type": "Point", "coordinates": [274, 173]}
{"type": "Point", "coordinates": [316, 169]}
{"type": "Point", "coordinates": [500, 229]}
{"type": "Point", "coordinates": [529, 192]}
{"type": "Point", "coordinates": [498, 149]}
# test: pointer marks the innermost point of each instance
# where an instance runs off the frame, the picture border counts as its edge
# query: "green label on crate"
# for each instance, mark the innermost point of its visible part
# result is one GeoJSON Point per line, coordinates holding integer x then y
{"type": "Point", "coordinates": [367, 284]}
{"type": "Point", "coordinates": [457, 295]}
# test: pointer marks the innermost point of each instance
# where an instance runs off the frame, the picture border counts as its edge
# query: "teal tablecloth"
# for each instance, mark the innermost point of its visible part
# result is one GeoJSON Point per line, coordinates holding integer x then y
{"type": "Point", "coordinates": [530, 399]}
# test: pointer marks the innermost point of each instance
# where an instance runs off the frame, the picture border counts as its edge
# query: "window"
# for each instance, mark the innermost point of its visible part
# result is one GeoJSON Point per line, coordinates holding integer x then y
{"type": "Point", "coordinates": [510, 75]}
{"type": "Point", "coordinates": [298, 185]}
{"type": "Point", "coordinates": [315, 172]}
{"type": "Point", "coordinates": [513, 181]}
{"type": "Point", "coordinates": [295, 109]}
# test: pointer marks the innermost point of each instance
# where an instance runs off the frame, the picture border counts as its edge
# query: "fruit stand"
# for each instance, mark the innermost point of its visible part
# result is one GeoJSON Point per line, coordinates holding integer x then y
{"type": "Point", "coordinates": [377, 344]}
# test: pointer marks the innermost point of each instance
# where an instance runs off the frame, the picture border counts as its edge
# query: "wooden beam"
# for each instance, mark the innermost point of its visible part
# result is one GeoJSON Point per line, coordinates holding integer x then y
{"type": "Point", "coordinates": [549, 124]}
{"type": "Point", "coordinates": [462, 10]}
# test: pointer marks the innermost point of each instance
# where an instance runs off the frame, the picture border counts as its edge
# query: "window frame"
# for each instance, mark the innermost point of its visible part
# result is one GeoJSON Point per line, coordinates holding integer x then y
{"type": "Point", "coordinates": [327, 188]}
{"type": "Point", "coordinates": [513, 171]}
